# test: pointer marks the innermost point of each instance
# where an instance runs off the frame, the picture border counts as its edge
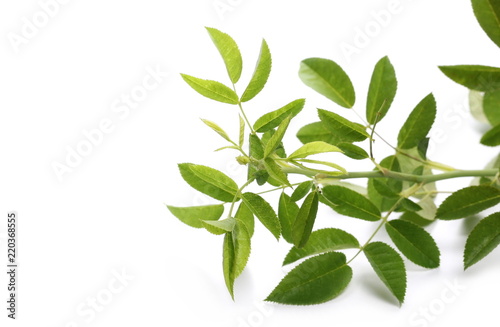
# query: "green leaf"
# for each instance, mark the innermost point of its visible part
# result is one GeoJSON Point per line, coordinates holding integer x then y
{"type": "Point", "coordinates": [275, 140]}
{"type": "Point", "coordinates": [353, 151]}
{"type": "Point", "coordinates": [414, 242]}
{"type": "Point", "coordinates": [341, 170]}
{"type": "Point", "coordinates": [219, 227]}
{"type": "Point", "coordinates": [350, 203]}
{"type": "Point", "coordinates": [494, 163]}
{"type": "Point", "coordinates": [263, 210]}
{"type": "Point", "coordinates": [476, 106]}
{"type": "Point", "coordinates": [309, 149]}
{"type": "Point", "coordinates": [317, 132]}
{"type": "Point", "coordinates": [422, 147]}
{"type": "Point", "coordinates": [344, 130]}
{"type": "Point", "coordinates": [212, 89]}
{"type": "Point", "coordinates": [415, 218]}
{"type": "Point", "coordinates": [274, 170]}
{"type": "Point", "coordinates": [491, 137]}
{"type": "Point", "coordinates": [408, 165]}
{"type": "Point", "coordinates": [301, 190]}
{"type": "Point", "coordinates": [491, 107]}
{"type": "Point", "coordinates": [245, 216]}
{"type": "Point", "coordinates": [209, 181]}
{"type": "Point", "coordinates": [389, 267]}
{"type": "Point", "coordinates": [304, 221]}
{"type": "Point", "coordinates": [229, 52]}
{"type": "Point", "coordinates": [217, 129]}
{"type": "Point", "coordinates": [321, 241]}
{"type": "Point", "coordinates": [468, 201]}
{"type": "Point", "coordinates": [418, 123]}
{"type": "Point", "coordinates": [241, 138]}
{"type": "Point", "coordinates": [393, 163]}
{"type": "Point", "coordinates": [316, 280]}
{"type": "Point", "coordinates": [382, 202]}
{"type": "Point", "coordinates": [382, 91]}
{"type": "Point", "coordinates": [256, 151]}
{"type": "Point", "coordinates": [474, 77]}
{"type": "Point", "coordinates": [384, 189]}
{"type": "Point", "coordinates": [193, 216]}
{"type": "Point", "coordinates": [488, 15]}
{"type": "Point", "coordinates": [266, 137]}
{"type": "Point", "coordinates": [329, 79]}
{"type": "Point", "coordinates": [483, 239]}
{"type": "Point", "coordinates": [256, 147]}
{"type": "Point", "coordinates": [409, 205]}
{"type": "Point", "coordinates": [236, 251]}
{"type": "Point", "coordinates": [287, 212]}
{"type": "Point", "coordinates": [260, 74]}
{"type": "Point", "coordinates": [274, 118]}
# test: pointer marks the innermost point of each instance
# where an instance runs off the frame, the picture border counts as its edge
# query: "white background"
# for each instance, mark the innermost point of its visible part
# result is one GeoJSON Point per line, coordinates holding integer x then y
{"type": "Point", "coordinates": [108, 214]}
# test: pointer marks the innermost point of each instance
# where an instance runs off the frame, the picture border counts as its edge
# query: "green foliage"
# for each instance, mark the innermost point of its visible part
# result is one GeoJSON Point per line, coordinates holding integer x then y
{"type": "Point", "coordinates": [236, 251]}
{"type": "Point", "coordinates": [474, 77]}
{"type": "Point", "coordinates": [260, 75]}
{"type": "Point", "coordinates": [309, 149]}
{"type": "Point", "coordinates": [263, 211]}
{"type": "Point", "coordinates": [212, 89]}
{"type": "Point", "coordinates": [402, 184]}
{"type": "Point", "coordinates": [488, 15]}
{"type": "Point", "coordinates": [274, 118]}
{"type": "Point", "coordinates": [316, 280]}
{"type": "Point", "coordinates": [491, 137]}
{"type": "Point", "coordinates": [491, 107]}
{"type": "Point", "coordinates": [350, 203]}
{"type": "Point", "coordinates": [414, 242]}
{"type": "Point", "coordinates": [209, 181]}
{"type": "Point", "coordinates": [321, 241]}
{"type": "Point", "coordinates": [194, 216]}
{"type": "Point", "coordinates": [418, 123]}
{"type": "Point", "coordinates": [382, 91]}
{"type": "Point", "coordinates": [276, 138]}
{"type": "Point", "coordinates": [329, 79]}
{"type": "Point", "coordinates": [468, 201]}
{"type": "Point", "coordinates": [229, 52]}
{"type": "Point", "coordinates": [389, 267]}
{"type": "Point", "coordinates": [343, 129]}
{"type": "Point", "coordinates": [304, 221]}
{"type": "Point", "coordinates": [483, 239]}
